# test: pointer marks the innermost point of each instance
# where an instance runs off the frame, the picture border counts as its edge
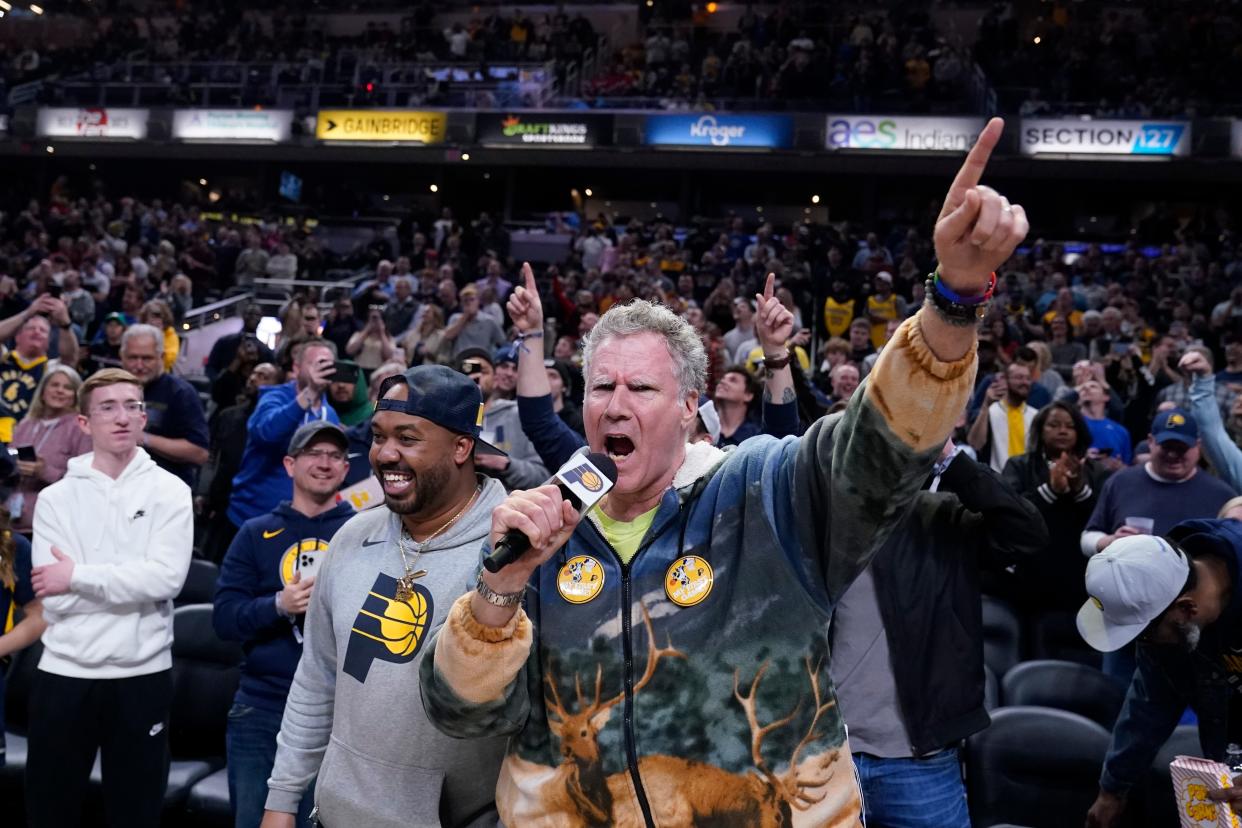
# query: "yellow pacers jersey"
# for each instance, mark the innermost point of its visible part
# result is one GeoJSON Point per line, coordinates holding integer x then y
{"type": "Point", "coordinates": [838, 316]}
{"type": "Point", "coordinates": [886, 309]}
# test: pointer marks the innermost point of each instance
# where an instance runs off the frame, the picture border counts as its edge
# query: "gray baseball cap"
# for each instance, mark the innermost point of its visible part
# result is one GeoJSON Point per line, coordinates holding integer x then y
{"type": "Point", "coordinates": [310, 432]}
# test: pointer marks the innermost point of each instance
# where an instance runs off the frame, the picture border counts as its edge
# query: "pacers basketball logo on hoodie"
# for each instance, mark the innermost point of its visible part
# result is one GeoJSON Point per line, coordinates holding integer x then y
{"type": "Point", "coordinates": [387, 629]}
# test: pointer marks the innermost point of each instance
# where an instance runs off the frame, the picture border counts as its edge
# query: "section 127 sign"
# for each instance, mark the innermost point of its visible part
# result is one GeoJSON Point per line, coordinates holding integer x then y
{"type": "Point", "coordinates": [720, 131]}
{"type": "Point", "coordinates": [1040, 136]}
{"type": "Point", "coordinates": [542, 129]}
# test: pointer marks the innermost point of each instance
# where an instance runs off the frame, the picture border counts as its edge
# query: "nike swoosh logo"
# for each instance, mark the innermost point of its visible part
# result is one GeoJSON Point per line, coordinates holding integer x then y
{"type": "Point", "coordinates": [373, 542]}
{"type": "Point", "coordinates": [269, 535]}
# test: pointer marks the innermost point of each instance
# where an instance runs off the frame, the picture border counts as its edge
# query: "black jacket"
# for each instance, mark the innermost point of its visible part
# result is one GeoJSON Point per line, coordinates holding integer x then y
{"type": "Point", "coordinates": [927, 585]}
{"type": "Point", "coordinates": [1055, 580]}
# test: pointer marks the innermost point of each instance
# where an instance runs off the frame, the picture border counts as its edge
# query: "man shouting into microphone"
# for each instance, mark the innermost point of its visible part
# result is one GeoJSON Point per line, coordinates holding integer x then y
{"type": "Point", "coordinates": [630, 654]}
{"type": "Point", "coordinates": [354, 716]}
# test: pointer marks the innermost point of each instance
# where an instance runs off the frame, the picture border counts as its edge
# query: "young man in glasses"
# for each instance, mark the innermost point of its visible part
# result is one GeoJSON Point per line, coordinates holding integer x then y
{"type": "Point", "coordinates": [261, 598]}
{"type": "Point", "coordinates": [111, 549]}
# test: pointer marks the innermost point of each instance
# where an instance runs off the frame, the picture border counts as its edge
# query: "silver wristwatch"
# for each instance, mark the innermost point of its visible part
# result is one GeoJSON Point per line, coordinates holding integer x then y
{"type": "Point", "coordinates": [498, 599]}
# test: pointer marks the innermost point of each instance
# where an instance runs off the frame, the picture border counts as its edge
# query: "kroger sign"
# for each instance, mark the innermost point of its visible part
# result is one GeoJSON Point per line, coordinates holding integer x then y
{"type": "Point", "coordinates": [766, 131]}
{"type": "Point", "coordinates": [1086, 137]}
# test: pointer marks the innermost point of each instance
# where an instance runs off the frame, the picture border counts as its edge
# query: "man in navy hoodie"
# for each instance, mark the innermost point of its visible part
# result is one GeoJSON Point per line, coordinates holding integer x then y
{"type": "Point", "coordinates": [265, 584]}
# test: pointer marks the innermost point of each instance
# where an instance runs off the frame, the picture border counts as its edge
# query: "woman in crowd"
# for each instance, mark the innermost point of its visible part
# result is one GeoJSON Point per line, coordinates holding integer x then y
{"type": "Point", "coordinates": [1064, 484]}
{"type": "Point", "coordinates": [50, 429]}
{"type": "Point", "coordinates": [372, 346]}
{"type": "Point", "coordinates": [158, 314]}
{"type": "Point", "coordinates": [425, 343]}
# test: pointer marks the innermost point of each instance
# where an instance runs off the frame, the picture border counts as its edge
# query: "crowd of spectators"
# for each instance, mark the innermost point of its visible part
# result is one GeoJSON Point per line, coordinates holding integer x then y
{"type": "Point", "coordinates": [1139, 60]}
{"type": "Point", "coordinates": [846, 59]}
{"type": "Point", "coordinates": [1095, 398]}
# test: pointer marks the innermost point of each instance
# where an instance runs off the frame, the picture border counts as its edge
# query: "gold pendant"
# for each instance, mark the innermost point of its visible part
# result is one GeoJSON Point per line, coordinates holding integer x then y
{"type": "Point", "coordinates": [405, 585]}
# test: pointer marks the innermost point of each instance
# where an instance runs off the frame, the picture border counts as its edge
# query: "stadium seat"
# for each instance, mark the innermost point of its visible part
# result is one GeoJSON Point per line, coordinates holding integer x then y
{"type": "Point", "coordinates": [1034, 766]}
{"type": "Point", "coordinates": [1064, 685]}
{"type": "Point", "coordinates": [200, 583]}
{"type": "Point", "coordinates": [1054, 635]}
{"type": "Point", "coordinates": [208, 803]}
{"type": "Point", "coordinates": [1002, 636]}
{"type": "Point", "coordinates": [18, 684]}
{"type": "Point", "coordinates": [205, 674]}
{"type": "Point", "coordinates": [991, 689]}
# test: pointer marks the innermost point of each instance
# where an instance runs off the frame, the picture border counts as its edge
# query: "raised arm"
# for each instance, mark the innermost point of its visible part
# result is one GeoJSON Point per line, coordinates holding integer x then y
{"type": "Point", "coordinates": [1217, 444]}
{"type": "Point", "coordinates": [554, 441]}
{"type": "Point", "coordinates": [862, 471]}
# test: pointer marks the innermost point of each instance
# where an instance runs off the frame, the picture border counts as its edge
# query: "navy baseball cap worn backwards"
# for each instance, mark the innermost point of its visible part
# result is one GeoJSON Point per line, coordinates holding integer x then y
{"type": "Point", "coordinates": [1175, 424]}
{"type": "Point", "coordinates": [443, 396]}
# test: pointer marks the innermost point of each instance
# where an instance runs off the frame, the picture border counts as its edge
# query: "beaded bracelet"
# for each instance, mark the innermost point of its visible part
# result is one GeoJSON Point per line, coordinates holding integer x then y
{"type": "Point", "coordinates": [954, 308]}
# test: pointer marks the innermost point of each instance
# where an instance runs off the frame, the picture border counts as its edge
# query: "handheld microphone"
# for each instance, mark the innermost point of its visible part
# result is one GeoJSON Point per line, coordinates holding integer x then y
{"type": "Point", "coordinates": [583, 481]}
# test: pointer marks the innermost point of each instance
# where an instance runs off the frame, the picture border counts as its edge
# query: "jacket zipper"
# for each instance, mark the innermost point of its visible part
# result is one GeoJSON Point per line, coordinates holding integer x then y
{"type": "Point", "coordinates": [627, 726]}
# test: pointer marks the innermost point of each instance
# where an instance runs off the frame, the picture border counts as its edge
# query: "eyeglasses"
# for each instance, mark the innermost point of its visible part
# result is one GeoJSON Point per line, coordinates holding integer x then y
{"type": "Point", "coordinates": [110, 409]}
{"type": "Point", "coordinates": [320, 455]}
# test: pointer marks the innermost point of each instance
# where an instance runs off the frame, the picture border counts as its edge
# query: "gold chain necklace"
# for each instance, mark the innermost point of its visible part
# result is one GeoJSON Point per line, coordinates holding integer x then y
{"type": "Point", "coordinates": [405, 584]}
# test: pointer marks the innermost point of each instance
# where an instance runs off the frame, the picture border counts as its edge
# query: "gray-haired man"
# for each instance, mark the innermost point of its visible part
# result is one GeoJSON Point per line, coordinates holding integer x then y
{"type": "Point", "coordinates": [176, 435]}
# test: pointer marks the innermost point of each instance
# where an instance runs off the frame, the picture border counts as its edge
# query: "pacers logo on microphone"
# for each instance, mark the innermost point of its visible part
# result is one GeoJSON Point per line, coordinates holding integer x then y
{"type": "Point", "coordinates": [585, 475]}
{"type": "Point", "coordinates": [586, 481]}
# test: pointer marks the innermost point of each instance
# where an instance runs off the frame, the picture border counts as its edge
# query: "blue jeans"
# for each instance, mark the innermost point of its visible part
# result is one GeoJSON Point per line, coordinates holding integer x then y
{"type": "Point", "coordinates": [913, 793]}
{"type": "Point", "coordinates": [250, 743]}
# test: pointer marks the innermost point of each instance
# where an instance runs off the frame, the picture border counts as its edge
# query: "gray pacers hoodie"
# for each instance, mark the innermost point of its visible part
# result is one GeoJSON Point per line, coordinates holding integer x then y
{"type": "Point", "coordinates": [355, 713]}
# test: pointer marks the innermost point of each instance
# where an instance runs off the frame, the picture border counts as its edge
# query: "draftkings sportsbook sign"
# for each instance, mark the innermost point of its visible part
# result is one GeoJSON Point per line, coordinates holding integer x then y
{"type": "Point", "coordinates": [543, 129]}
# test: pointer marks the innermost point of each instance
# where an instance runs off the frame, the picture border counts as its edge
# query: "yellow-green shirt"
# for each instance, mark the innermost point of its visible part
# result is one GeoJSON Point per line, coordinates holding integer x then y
{"type": "Point", "coordinates": [626, 536]}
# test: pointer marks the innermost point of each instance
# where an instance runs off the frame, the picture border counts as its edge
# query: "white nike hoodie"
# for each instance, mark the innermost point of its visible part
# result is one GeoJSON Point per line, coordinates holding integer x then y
{"type": "Point", "coordinates": [130, 540]}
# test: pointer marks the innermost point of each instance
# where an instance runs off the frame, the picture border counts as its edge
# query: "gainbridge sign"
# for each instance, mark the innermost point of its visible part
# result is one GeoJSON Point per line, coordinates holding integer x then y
{"type": "Point", "coordinates": [410, 126]}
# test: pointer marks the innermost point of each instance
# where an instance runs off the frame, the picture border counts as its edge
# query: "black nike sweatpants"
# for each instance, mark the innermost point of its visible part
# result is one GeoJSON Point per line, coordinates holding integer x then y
{"type": "Point", "coordinates": [126, 720]}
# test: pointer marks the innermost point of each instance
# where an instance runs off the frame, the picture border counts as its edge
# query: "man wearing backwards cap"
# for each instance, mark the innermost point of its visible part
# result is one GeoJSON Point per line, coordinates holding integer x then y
{"type": "Point", "coordinates": [1176, 597]}
{"type": "Point", "coordinates": [354, 714]}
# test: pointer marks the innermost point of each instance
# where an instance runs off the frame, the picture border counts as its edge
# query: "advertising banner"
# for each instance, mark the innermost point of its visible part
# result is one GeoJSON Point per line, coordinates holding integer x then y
{"type": "Point", "coordinates": [719, 130]}
{"type": "Point", "coordinates": [232, 124]}
{"type": "Point", "coordinates": [1070, 136]}
{"type": "Point", "coordinates": [543, 129]}
{"type": "Point", "coordinates": [405, 125]}
{"type": "Point", "coordinates": [92, 122]}
{"type": "Point", "coordinates": [903, 133]}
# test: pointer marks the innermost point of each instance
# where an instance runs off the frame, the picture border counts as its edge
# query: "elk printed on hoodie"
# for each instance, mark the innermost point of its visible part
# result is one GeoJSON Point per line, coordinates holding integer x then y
{"type": "Point", "coordinates": [691, 685]}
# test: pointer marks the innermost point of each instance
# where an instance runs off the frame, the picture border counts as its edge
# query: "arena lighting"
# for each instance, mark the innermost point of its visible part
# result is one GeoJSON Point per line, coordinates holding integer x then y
{"type": "Point", "coordinates": [712, 8]}
{"type": "Point", "coordinates": [6, 5]}
{"type": "Point", "coordinates": [50, 149]}
{"type": "Point", "coordinates": [815, 199]}
{"type": "Point", "coordinates": [588, 192]}
{"type": "Point", "coordinates": [202, 182]}
{"type": "Point", "coordinates": [434, 188]}
{"type": "Point", "coordinates": [465, 156]}
{"type": "Point", "coordinates": [1037, 39]}
{"type": "Point", "coordinates": [36, 9]}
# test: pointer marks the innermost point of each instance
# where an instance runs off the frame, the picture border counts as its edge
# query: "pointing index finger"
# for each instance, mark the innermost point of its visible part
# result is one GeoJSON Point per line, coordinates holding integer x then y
{"type": "Point", "coordinates": [529, 276]}
{"type": "Point", "coordinates": [976, 161]}
{"type": "Point", "coordinates": [770, 287]}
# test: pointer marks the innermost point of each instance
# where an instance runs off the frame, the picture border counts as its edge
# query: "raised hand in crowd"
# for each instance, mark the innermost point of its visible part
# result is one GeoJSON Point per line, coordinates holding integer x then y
{"type": "Point", "coordinates": [1065, 474]}
{"type": "Point", "coordinates": [524, 306]}
{"type": "Point", "coordinates": [774, 322]}
{"type": "Point", "coordinates": [1195, 364]}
